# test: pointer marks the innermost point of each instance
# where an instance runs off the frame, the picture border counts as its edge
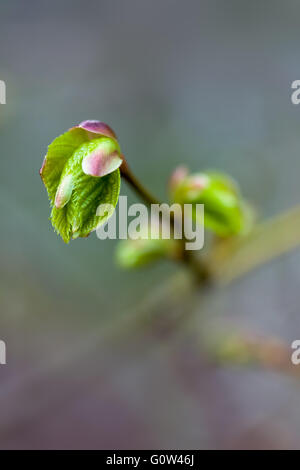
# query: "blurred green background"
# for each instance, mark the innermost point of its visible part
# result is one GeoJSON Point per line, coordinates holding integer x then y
{"type": "Point", "coordinates": [205, 83]}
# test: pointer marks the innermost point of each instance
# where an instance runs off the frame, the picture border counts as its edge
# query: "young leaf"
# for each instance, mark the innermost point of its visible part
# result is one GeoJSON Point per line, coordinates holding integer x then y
{"type": "Point", "coordinates": [225, 212]}
{"type": "Point", "coordinates": [80, 172]}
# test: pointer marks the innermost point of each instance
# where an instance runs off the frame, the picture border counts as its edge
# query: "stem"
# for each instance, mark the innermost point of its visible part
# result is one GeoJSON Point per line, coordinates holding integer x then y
{"type": "Point", "coordinates": [228, 260]}
{"type": "Point", "coordinates": [250, 350]}
{"type": "Point", "coordinates": [197, 268]}
{"type": "Point", "coordinates": [232, 258]}
{"type": "Point", "coordinates": [136, 185]}
{"type": "Point", "coordinates": [200, 269]}
{"type": "Point", "coordinates": [127, 174]}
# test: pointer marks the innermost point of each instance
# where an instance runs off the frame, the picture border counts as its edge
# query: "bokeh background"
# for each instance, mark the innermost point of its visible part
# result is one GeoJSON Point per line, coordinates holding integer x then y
{"type": "Point", "coordinates": [95, 358]}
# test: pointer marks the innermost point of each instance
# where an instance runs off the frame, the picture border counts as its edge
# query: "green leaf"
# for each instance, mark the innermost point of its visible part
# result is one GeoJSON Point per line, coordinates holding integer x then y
{"type": "Point", "coordinates": [61, 149]}
{"type": "Point", "coordinates": [78, 218]}
{"type": "Point", "coordinates": [76, 190]}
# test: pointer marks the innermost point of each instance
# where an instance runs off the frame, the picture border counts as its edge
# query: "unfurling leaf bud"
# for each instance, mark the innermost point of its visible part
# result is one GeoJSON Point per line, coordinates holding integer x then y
{"type": "Point", "coordinates": [225, 212]}
{"type": "Point", "coordinates": [177, 177]}
{"type": "Point", "coordinates": [80, 172]}
{"type": "Point", "coordinates": [101, 161]}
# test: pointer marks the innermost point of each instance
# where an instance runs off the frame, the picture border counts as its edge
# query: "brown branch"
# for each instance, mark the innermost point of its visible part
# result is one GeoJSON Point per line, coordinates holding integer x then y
{"type": "Point", "coordinates": [135, 184]}
{"type": "Point", "coordinates": [231, 258]}
{"type": "Point", "coordinates": [199, 269]}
